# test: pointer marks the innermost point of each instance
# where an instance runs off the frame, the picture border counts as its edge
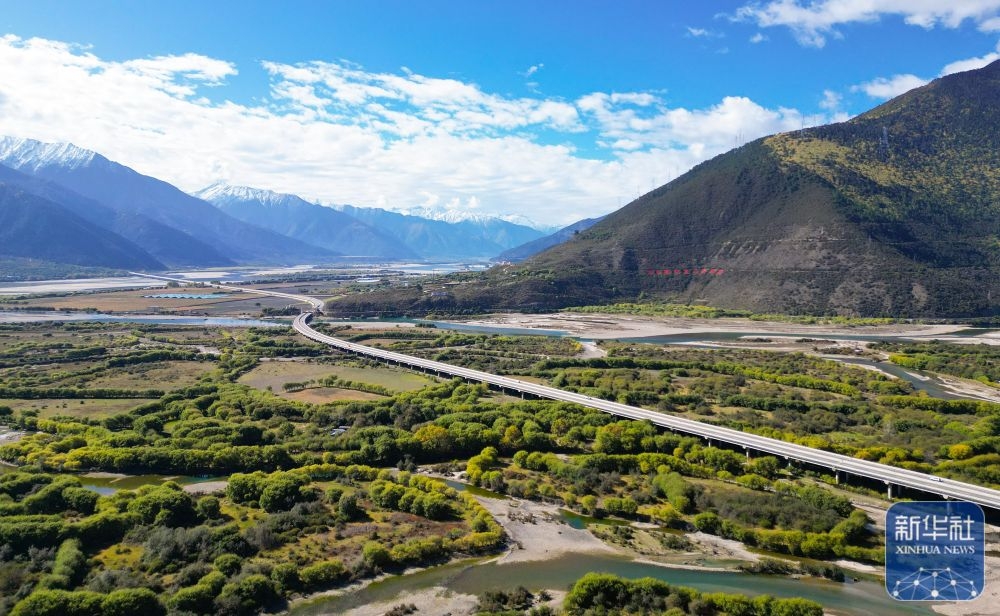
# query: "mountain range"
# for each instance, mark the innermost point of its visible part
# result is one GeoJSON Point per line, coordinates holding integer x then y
{"type": "Point", "coordinates": [461, 237]}
{"type": "Point", "coordinates": [310, 223]}
{"type": "Point", "coordinates": [168, 244]}
{"type": "Point", "coordinates": [36, 228]}
{"type": "Point", "coordinates": [217, 239]}
{"type": "Point", "coordinates": [895, 212]}
{"type": "Point", "coordinates": [532, 248]}
{"type": "Point", "coordinates": [126, 220]}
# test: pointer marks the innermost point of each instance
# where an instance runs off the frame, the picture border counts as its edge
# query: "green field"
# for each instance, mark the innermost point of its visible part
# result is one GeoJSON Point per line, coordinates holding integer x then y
{"type": "Point", "coordinates": [275, 375]}
{"type": "Point", "coordinates": [89, 408]}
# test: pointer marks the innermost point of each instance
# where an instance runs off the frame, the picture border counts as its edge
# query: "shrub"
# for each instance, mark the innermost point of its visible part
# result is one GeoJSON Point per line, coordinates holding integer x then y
{"type": "Point", "coordinates": [321, 575]}
{"type": "Point", "coordinates": [132, 602]}
{"type": "Point", "coordinates": [228, 564]}
{"type": "Point", "coordinates": [59, 603]}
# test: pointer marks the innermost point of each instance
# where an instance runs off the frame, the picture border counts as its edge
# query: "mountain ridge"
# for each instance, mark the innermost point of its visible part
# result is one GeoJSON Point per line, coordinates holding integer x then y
{"type": "Point", "coordinates": [530, 249]}
{"type": "Point", "coordinates": [166, 244]}
{"type": "Point", "coordinates": [893, 213]}
{"type": "Point", "coordinates": [125, 190]}
{"type": "Point", "coordinates": [33, 227]}
{"type": "Point", "coordinates": [311, 223]}
{"type": "Point", "coordinates": [438, 239]}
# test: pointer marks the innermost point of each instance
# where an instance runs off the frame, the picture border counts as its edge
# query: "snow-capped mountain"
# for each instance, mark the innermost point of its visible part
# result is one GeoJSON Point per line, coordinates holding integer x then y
{"type": "Point", "coordinates": [373, 232]}
{"type": "Point", "coordinates": [457, 216]}
{"type": "Point", "coordinates": [225, 224]}
{"type": "Point", "coordinates": [28, 155]}
{"type": "Point", "coordinates": [434, 238]}
{"type": "Point", "coordinates": [314, 224]}
{"type": "Point", "coordinates": [145, 198]}
{"type": "Point", "coordinates": [220, 191]}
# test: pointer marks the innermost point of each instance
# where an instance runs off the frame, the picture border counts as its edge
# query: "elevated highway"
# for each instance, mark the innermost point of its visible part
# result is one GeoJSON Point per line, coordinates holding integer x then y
{"type": "Point", "coordinates": [837, 463]}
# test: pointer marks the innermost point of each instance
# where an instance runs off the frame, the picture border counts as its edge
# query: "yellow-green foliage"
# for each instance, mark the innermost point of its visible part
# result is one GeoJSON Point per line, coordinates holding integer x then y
{"type": "Point", "coordinates": [661, 310]}
{"type": "Point", "coordinates": [481, 464]}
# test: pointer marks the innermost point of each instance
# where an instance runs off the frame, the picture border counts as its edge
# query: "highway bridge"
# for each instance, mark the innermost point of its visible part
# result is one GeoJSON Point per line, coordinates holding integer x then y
{"type": "Point", "coordinates": [837, 463]}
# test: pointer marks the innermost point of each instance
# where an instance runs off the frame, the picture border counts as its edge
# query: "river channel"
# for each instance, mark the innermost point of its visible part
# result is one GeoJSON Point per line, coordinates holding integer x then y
{"type": "Point", "coordinates": [475, 576]}
{"type": "Point", "coordinates": [13, 316]}
{"type": "Point", "coordinates": [862, 598]}
{"type": "Point", "coordinates": [921, 381]}
{"type": "Point", "coordinates": [858, 598]}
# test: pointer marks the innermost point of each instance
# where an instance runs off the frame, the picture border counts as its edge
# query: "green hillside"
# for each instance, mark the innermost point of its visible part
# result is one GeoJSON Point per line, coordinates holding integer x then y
{"type": "Point", "coordinates": [895, 212]}
{"type": "Point", "coordinates": [34, 228]}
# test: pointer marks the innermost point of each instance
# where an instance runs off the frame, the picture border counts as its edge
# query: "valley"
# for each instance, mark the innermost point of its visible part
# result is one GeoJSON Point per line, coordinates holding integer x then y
{"type": "Point", "coordinates": [540, 452]}
{"type": "Point", "coordinates": [495, 310]}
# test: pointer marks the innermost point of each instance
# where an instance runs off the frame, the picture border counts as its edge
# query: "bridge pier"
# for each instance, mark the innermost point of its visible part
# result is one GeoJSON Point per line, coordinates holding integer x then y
{"type": "Point", "coordinates": [792, 453]}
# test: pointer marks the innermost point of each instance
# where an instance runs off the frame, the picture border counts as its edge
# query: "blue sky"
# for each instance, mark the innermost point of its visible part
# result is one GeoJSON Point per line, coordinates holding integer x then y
{"type": "Point", "coordinates": [552, 110]}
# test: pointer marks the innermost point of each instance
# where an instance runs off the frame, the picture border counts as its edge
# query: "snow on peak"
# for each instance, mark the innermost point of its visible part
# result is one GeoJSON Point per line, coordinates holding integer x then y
{"type": "Point", "coordinates": [31, 155]}
{"type": "Point", "coordinates": [457, 216]}
{"type": "Point", "coordinates": [222, 192]}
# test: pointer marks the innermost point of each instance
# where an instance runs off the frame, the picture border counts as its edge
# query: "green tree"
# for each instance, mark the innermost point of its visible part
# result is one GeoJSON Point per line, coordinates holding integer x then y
{"type": "Point", "coordinates": [286, 576]}
{"type": "Point", "coordinates": [228, 564]}
{"type": "Point", "coordinates": [376, 555]}
{"type": "Point", "coordinates": [59, 603]}
{"type": "Point", "coordinates": [132, 602]}
{"type": "Point", "coordinates": [209, 508]}
{"type": "Point", "coordinates": [321, 575]}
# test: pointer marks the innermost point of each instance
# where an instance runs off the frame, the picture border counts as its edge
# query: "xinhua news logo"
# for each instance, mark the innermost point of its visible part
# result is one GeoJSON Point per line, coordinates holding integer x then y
{"type": "Point", "coordinates": [935, 551]}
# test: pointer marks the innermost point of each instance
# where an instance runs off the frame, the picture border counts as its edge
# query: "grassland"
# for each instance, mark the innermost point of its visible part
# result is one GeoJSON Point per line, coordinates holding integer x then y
{"type": "Point", "coordinates": [83, 409]}
{"type": "Point", "coordinates": [335, 501]}
{"type": "Point", "coordinates": [140, 302]}
{"type": "Point", "coordinates": [320, 395]}
{"type": "Point", "coordinates": [277, 375]}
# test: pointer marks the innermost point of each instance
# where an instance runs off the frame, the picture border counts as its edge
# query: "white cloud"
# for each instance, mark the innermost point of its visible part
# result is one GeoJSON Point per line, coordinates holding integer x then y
{"type": "Point", "coordinates": [889, 87]}
{"type": "Point", "coordinates": [758, 38]}
{"type": "Point", "coordinates": [336, 133]}
{"type": "Point", "coordinates": [534, 68]}
{"type": "Point", "coordinates": [705, 33]}
{"type": "Point", "coordinates": [970, 64]}
{"type": "Point", "coordinates": [695, 132]}
{"type": "Point", "coordinates": [445, 105]}
{"type": "Point", "coordinates": [813, 22]}
{"type": "Point", "coordinates": [831, 100]}
{"type": "Point", "coordinates": [627, 144]}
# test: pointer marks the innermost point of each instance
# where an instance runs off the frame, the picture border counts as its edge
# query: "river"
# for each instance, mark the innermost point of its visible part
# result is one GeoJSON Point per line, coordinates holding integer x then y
{"type": "Point", "coordinates": [14, 316]}
{"type": "Point", "coordinates": [862, 598]}
{"type": "Point", "coordinates": [106, 484]}
{"type": "Point", "coordinates": [476, 576]}
{"type": "Point", "coordinates": [921, 381]}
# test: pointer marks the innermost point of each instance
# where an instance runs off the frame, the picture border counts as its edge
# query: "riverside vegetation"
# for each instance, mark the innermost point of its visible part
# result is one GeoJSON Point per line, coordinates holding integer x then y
{"type": "Point", "coordinates": [323, 493]}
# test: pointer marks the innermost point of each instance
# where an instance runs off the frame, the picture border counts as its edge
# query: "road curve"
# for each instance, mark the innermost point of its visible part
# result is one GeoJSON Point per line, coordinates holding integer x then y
{"type": "Point", "coordinates": [890, 475]}
{"type": "Point", "coordinates": [316, 303]}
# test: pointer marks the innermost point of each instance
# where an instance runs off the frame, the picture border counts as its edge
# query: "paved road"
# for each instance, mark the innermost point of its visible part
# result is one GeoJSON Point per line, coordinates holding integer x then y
{"type": "Point", "coordinates": [317, 304]}
{"type": "Point", "coordinates": [890, 475]}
